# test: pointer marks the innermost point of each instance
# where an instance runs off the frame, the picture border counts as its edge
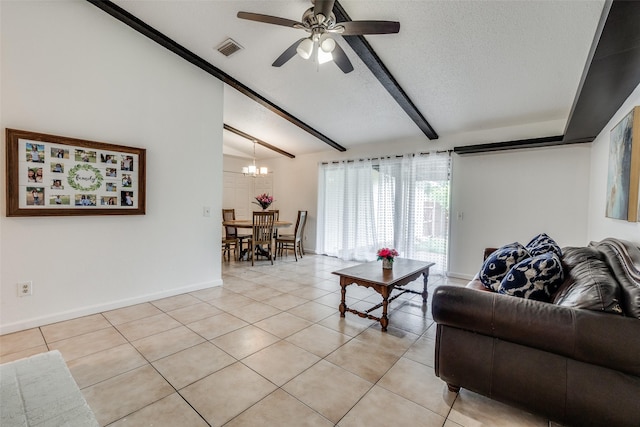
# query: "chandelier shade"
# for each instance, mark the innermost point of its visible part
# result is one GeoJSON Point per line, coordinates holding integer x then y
{"type": "Point", "coordinates": [252, 169]}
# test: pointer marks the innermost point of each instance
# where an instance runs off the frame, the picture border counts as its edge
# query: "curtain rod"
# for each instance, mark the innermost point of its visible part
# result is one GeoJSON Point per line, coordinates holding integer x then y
{"type": "Point", "coordinates": [397, 156]}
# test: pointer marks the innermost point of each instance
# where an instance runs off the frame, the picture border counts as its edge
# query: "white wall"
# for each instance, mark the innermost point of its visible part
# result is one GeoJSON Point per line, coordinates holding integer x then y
{"type": "Point", "coordinates": [599, 226]}
{"type": "Point", "coordinates": [70, 69]}
{"type": "Point", "coordinates": [514, 195]}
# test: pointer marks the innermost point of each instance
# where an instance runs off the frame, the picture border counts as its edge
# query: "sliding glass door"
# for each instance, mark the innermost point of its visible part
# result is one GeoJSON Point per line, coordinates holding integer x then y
{"type": "Point", "coordinates": [400, 202]}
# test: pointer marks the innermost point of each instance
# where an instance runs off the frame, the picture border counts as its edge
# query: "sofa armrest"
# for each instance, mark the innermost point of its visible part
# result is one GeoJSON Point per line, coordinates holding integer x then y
{"type": "Point", "coordinates": [624, 260]}
{"type": "Point", "coordinates": [604, 339]}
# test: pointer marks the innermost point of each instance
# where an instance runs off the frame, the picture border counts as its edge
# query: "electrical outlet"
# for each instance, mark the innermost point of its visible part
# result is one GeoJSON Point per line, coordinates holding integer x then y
{"type": "Point", "coordinates": [25, 289]}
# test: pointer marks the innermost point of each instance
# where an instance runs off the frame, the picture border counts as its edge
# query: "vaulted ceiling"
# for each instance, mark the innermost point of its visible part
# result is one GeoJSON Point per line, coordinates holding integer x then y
{"type": "Point", "coordinates": [464, 66]}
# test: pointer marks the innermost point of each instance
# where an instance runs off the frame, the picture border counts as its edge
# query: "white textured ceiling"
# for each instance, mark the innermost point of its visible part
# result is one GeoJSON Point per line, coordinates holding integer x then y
{"type": "Point", "coordinates": [466, 65]}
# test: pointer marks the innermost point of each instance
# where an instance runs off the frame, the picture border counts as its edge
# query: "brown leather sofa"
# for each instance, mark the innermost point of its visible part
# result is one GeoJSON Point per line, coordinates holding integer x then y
{"type": "Point", "coordinates": [575, 366]}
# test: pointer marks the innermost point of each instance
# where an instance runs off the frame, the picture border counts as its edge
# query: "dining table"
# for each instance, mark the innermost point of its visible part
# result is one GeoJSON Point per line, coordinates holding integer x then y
{"type": "Point", "coordinates": [248, 223]}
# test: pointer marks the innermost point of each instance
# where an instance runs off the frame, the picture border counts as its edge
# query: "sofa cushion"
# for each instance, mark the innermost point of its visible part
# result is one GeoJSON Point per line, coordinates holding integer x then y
{"type": "Point", "coordinates": [541, 244]}
{"type": "Point", "coordinates": [498, 264]}
{"type": "Point", "coordinates": [535, 278]}
{"type": "Point", "coordinates": [591, 284]}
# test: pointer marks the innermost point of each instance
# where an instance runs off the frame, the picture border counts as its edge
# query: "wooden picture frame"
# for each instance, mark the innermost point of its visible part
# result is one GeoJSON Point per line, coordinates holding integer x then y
{"type": "Point", "coordinates": [49, 175]}
{"type": "Point", "coordinates": [623, 177]}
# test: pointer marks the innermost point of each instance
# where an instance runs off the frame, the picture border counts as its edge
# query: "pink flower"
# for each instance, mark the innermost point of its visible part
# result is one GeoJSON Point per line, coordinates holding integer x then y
{"type": "Point", "coordinates": [387, 253]}
{"type": "Point", "coordinates": [264, 200]}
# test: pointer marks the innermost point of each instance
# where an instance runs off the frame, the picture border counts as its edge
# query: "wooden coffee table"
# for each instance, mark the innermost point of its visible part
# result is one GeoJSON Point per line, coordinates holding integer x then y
{"type": "Point", "coordinates": [371, 275]}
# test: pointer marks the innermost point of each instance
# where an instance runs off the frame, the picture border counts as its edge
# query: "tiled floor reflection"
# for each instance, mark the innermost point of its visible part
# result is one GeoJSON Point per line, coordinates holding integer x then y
{"type": "Point", "coordinates": [268, 348]}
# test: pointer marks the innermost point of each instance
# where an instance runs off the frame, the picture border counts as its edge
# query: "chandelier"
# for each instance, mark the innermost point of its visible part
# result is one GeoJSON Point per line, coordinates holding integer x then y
{"type": "Point", "coordinates": [252, 170]}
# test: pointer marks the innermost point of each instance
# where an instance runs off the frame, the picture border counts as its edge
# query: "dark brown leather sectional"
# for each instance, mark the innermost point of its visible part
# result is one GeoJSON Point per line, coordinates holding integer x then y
{"type": "Point", "coordinates": [576, 366]}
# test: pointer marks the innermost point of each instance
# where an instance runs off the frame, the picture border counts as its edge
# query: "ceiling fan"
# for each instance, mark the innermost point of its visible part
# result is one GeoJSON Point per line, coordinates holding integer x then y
{"type": "Point", "coordinates": [320, 22]}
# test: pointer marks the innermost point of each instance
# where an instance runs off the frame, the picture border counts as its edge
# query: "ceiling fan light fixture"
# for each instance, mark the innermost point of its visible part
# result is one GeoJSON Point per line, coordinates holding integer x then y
{"type": "Point", "coordinates": [328, 44]}
{"type": "Point", "coordinates": [305, 48]}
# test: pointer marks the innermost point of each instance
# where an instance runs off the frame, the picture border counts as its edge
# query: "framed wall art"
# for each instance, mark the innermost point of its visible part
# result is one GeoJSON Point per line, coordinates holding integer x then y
{"type": "Point", "coordinates": [49, 175]}
{"type": "Point", "coordinates": [623, 179]}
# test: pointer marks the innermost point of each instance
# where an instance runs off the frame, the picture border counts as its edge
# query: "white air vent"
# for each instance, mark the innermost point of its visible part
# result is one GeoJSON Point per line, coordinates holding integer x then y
{"type": "Point", "coordinates": [229, 47]}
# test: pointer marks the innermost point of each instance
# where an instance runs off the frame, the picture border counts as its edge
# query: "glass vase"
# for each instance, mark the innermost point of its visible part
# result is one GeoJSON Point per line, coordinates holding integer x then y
{"type": "Point", "coordinates": [387, 264]}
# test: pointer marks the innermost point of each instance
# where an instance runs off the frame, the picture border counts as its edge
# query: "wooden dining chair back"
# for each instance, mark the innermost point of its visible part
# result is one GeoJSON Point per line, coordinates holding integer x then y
{"type": "Point", "coordinates": [262, 235]}
{"type": "Point", "coordinates": [229, 215]}
{"type": "Point", "coordinates": [231, 233]}
{"type": "Point", "coordinates": [293, 241]}
{"type": "Point", "coordinates": [230, 239]}
{"type": "Point", "coordinates": [304, 223]}
{"type": "Point", "coordinates": [277, 218]}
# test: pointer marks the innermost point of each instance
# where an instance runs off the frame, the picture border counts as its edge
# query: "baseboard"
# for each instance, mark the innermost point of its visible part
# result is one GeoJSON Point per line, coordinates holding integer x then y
{"type": "Point", "coordinates": [99, 308]}
{"type": "Point", "coordinates": [462, 276]}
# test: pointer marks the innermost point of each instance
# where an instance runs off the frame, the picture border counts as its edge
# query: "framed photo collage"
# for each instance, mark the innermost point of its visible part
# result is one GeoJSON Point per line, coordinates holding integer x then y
{"type": "Point", "coordinates": [53, 175]}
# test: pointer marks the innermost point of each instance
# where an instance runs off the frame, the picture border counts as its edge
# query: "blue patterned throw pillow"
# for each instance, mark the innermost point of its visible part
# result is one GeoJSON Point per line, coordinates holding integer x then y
{"type": "Point", "coordinates": [542, 244]}
{"type": "Point", "coordinates": [536, 278]}
{"type": "Point", "coordinates": [498, 264]}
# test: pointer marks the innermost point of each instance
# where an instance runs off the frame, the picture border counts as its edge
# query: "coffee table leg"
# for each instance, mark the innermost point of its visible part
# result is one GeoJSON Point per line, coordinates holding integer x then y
{"type": "Point", "coordinates": [343, 292]}
{"type": "Point", "coordinates": [425, 294]}
{"type": "Point", "coordinates": [384, 320]}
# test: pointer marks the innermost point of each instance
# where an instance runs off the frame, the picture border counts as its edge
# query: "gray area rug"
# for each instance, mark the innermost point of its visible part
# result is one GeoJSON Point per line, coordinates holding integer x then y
{"type": "Point", "coordinates": [40, 391]}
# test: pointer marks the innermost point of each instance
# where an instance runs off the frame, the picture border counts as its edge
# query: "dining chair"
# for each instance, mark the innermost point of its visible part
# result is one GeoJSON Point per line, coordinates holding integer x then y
{"type": "Point", "coordinates": [277, 218]}
{"type": "Point", "coordinates": [232, 232]}
{"type": "Point", "coordinates": [293, 241]}
{"type": "Point", "coordinates": [229, 243]}
{"type": "Point", "coordinates": [304, 224]}
{"type": "Point", "coordinates": [262, 236]}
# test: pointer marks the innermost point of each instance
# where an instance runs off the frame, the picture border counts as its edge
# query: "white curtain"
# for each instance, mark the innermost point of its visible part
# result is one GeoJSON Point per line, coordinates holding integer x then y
{"type": "Point", "coordinates": [399, 202]}
{"type": "Point", "coordinates": [346, 211]}
{"type": "Point", "coordinates": [413, 207]}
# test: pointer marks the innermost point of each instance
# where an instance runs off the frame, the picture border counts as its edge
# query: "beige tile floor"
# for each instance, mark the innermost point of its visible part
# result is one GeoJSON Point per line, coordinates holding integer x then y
{"type": "Point", "coordinates": [268, 348]}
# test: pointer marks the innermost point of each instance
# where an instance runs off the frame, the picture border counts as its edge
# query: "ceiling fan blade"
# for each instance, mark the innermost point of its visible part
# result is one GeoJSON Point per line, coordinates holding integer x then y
{"type": "Point", "coordinates": [323, 7]}
{"type": "Point", "coordinates": [341, 59]}
{"type": "Point", "coordinates": [287, 54]}
{"type": "Point", "coordinates": [355, 28]}
{"type": "Point", "coordinates": [268, 19]}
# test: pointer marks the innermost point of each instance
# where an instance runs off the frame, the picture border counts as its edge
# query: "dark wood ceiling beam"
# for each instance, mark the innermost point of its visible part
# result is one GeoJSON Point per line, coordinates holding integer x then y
{"type": "Point", "coordinates": [366, 53]}
{"type": "Point", "coordinates": [164, 41]}
{"type": "Point", "coordinates": [546, 141]}
{"type": "Point", "coordinates": [612, 71]}
{"type": "Point", "coordinates": [258, 141]}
